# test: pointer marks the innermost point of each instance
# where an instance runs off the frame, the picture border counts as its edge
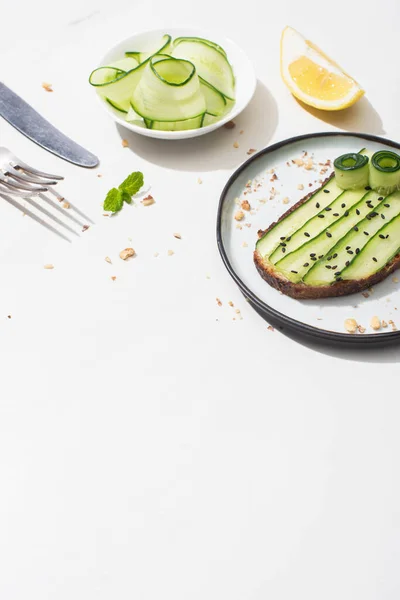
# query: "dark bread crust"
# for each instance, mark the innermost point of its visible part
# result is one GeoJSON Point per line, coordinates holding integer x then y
{"type": "Point", "coordinates": [301, 290]}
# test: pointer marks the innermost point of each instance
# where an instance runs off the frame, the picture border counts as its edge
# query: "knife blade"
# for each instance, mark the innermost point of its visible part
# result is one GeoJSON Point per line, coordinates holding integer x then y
{"type": "Point", "coordinates": [29, 122]}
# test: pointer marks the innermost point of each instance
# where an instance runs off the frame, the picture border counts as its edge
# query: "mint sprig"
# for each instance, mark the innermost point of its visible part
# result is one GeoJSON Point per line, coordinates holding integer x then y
{"type": "Point", "coordinates": [116, 197]}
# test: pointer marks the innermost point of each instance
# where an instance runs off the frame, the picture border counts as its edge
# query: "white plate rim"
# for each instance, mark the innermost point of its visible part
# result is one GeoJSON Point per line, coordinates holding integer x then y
{"type": "Point", "coordinates": [368, 339]}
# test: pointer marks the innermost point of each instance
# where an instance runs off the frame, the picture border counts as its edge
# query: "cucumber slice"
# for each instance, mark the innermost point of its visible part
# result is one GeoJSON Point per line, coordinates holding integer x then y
{"type": "Point", "coordinates": [215, 101]}
{"type": "Point", "coordinates": [169, 90]}
{"type": "Point", "coordinates": [385, 171]}
{"type": "Point", "coordinates": [211, 65]}
{"type": "Point", "coordinates": [124, 64]}
{"type": "Point", "coordinates": [116, 106]}
{"type": "Point", "coordinates": [209, 120]}
{"type": "Point", "coordinates": [346, 250]}
{"type": "Point", "coordinates": [377, 253]}
{"type": "Point", "coordinates": [285, 228]}
{"type": "Point", "coordinates": [352, 171]}
{"type": "Point", "coordinates": [313, 227]}
{"type": "Point", "coordinates": [162, 47]}
{"type": "Point", "coordinates": [178, 125]}
{"type": "Point", "coordinates": [134, 118]}
{"type": "Point", "coordinates": [198, 39]}
{"type": "Point", "coordinates": [297, 264]}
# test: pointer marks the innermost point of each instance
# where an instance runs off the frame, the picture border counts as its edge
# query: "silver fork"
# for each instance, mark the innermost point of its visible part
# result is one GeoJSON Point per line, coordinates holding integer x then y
{"type": "Point", "coordinates": [18, 179]}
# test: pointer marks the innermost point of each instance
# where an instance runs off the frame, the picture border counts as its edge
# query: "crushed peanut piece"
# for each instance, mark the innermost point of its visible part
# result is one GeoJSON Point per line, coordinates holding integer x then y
{"type": "Point", "coordinates": [235, 145]}
{"type": "Point", "coordinates": [395, 279]}
{"type": "Point", "coordinates": [239, 215]}
{"type": "Point", "coordinates": [231, 303]}
{"type": "Point", "coordinates": [270, 328]}
{"type": "Point", "coordinates": [148, 201]}
{"type": "Point", "coordinates": [361, 329]}
{"type": "Point", "coordinates": [375, 323]}
{"type": "Point", "coordinates": [298, 161]}
{"type": "Point", "coordinates": [394, 328]}
{"type": "Point", "coordinates": [238, 226]}
{"type": "Point", "coordinates": [245, 205]}
{"type": "Point", "coordinates": [237, 311]}
{"type": "Point", "coordinates": [156, 254]}
{"type": "Point", "coordinates": [49, 266]}
{"type": "Point", "coordinates": [170, 252]}
{"type": "Point", "coordinates": [113, 277]}
{"type": "Point", "coordinates": [247, 224]}
{"type": "Point", "coordinates": [99, 175]}
{"type": "Point", "coordinates": [218, 302]}
{"type": "Point", "coordinates": [125, 144]}
{"type": "Point", "coordinates": [85, 227]}
{"type": "Point", "coordinates": [177, 236]}
{"type": "Point", "coordinates": [66, 205]}
{"type": "Point", "coordinates": [230, 125]}
{"type": "Point", "coordinates": [384, 324]}
{"type": "Point", "coordinates": [300, 186]}
{"type": "Point", "coordinates": [127, 253]}
{"type": "Point", "coordinates": [108, 259]}
{"type": "Point", "coordinates": [285, 201]}
{"type": "Point", "coordinates": [251, 151]}
{"type": "Point", "coordinates": [47, 86]}
{"type": "Point", "coordinates": [309, 164]}
{"type": "Point", "coordinates": [8, 316]}
{"type": "Point", "coordinates": [350, 325]}
{"type": "Point", "coordinates": [199, 181]}
{"type": "Point", "coordinates": [244, 244]}
{"type": "Point", "coordinates": [241, 131]}
{"type": "Point", "coordinates": [274, 177]}
{"type": "Point", "coordinates": [365, 294]}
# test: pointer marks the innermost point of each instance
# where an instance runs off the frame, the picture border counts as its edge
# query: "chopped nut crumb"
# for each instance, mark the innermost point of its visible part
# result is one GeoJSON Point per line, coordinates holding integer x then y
{"type": "Point", "coordinates": [218, 302]}
{"type": "Point", "coordinates": [239, 215]}
{"type": "Point", "coordinates": [230, 125]}
{"type": "Point", "coordinates": [395, 279]}
{"type": "Point", "coordinates": [125, 143]}
{"type": "Point", "coordinates": [108, 259]}
{"type": "Point", "coordinates": [245, 205]}
{"type": "Point", "coordinates": [274, 177]}
{"type": "Point", "coordinates": [85, 227]}
{"type": "Point", "coordinates": [384, 324]}
{"type": "Point", "coordinates": [177, 236]}
{"type": "Point", "coordinates": [394, 328]}
{"type": "Point", "coordinates": [47, 86]}
{"type": "Point", "coordinates": [170, 252]}
{"type": "Point", "coordinates": [270, 328]}
{"type": "Point", "coordinates": [241, 131]}
{"type": "Point", "coordinates": [156, 254]}
{"type": "Point", "coordinates": [350, 325]}
{"type": "Point", "coordinates": [244, 244]}
{"type": "Point", "coordinates": [49, 266]}
{"type": "Point", "coordinates": [247, 224]}
{"type": "Point", "coordinates": [300, 186]}
{"type": "Point", "coordinates": [237, 311]}
{"type": "Point", "coordinates": [309, 164]}
{"type": "Point", "coordinates": [99, 175]}
{"type": "Point", "coordinates": [238, 226]}
{"type": "Point", "coordinates": [365, 294]}
{"type": "Point", "coordinates": [231, 303]}
{"type": "Point", "coordinates": [235, 145]}
{"type": "Point", "coordinates": [66, 205]}
{"type": "Point", "coordinates": [127, 253]}
{"type": "Point", "coordinates": [113, 277]}
{"type": "Point", "coordinates": [361, 329]}
{"type": "Point", "coordinates": [148, 201]}
{"type": "Point", "coordinates": [251, 151]}
{"type": "Point", "coordinates": [375, 323]}
{"type": "Point", "coordinates": [298, 161]}
{"type": "Point", "coordinates": [199, 181]}
{"type": "Point", "coordinates": [285, 201]}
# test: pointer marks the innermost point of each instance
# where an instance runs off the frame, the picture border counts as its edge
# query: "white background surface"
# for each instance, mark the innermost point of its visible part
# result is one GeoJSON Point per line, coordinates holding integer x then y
{"type": "Point", "coordinates": [150, 446]}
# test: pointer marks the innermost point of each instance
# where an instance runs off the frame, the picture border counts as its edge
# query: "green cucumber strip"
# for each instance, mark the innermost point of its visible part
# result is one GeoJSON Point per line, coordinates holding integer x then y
{"type": "Point", "coordinates": [162, 47]}
{"type": "Point", "coordinates": [323, 219]}
{"type": "Point", "coordinates": [211, 65]}
{"type": "Point", "coordinates": [352, 171]}
{"type": "Point", "coordinates": [296, 265]}
{"type": "Point", "coordinates": [124, 64]}
{"type": "Point", "coordinates": [134, 118]}
{"type": "Point", "coordinates": [377, 253]}
{"type": "Point", "coordinates": [105, 75]}
{"type": "Point", "coordinates": [345, 251]}
{"type": "Point", "coordinates": [198, 39]}
{"type": "Point", "coordinates": [384, 171]}
{"type": "Point", "coordinates": [169, 90]}
{"type": "Point", "coordinates": [116, 106]}
{"type": "Point", "coordinates": [178, 125]}
{"type": "Point", "coordinates": [285, 228]}
{"type": "Point", "coordinates": [215, 101]}
{"type": "Point", "coordinates": [209, 120]}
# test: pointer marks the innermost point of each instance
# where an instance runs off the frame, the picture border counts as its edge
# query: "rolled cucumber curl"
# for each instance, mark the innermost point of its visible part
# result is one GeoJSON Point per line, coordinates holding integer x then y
{"type": "Point", "coordinates": [352, 171]}
{"type": "Point", "coordinates": [384, 176]}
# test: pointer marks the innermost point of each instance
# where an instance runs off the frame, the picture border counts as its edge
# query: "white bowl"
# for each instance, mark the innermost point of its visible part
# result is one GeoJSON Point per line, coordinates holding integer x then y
{"type": "Point", "coordinates": [242, 68]}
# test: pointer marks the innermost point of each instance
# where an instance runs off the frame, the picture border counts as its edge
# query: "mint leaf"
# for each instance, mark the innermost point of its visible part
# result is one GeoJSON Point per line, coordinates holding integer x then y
{"type": "Point", "coordinates": [114, 200]}
{"type": "Point", "coordinates": [125, 196]}
{"type": "Point", "coordinates": [132, 183]}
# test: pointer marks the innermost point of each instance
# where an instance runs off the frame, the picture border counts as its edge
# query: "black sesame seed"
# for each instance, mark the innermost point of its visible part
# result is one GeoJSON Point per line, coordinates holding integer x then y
{"type": "Point", "coordinates": [343, 205]}
{"type": "Point", "coordinates": [282, 238]}
{"type": "Point", "coordinates": [386, 237]}
{"type": "Point", "coordinates": [306, 234]}
{"type": "Point", "coordinates": [321, 256]}
{"type": "Point", "coordinates": [321, 216]}
{"type": "Point", "coordinates": [328, 267]}
{"type": "Point", "coordinates": [357, 250]}
{"type": "Point", "coordinates": [346, 213]}
{"type": "Point", "coordinates": [313, 258]}
{"type": "Point", "coordinates": [368, 187]}
{"type": "Point", "coordinates": [387, 205]}
{"type": "Point", "coordinates": [348, 247]}
{"type": "Point", "coordinates": [339, 278]}
{"type": "Point", "coordinates": [337, 274]}
{"type": "Point", "coordinates": [380, 198]}
{"type": "Point", "coordinates": [366, 233]}
{"type": "Point", "coordinates": [335, 214]}
{"type": "Point", "coordinates": [355, 228]}
{"type": "Point", "coordinates": [347, 263]}
{"type": "Point", "coordinates": [357, 211]}
{"type": "Point", "coordinates": [328, 208]}
{"type": "Point", "coordinates": [368, 218]}
{"type": "Point", "coordinates": [283, 244]}
{"type": "Point", "coordinates": [288, 239]}
{"type": "Point", "coordinates": [383, 216]}
{"type": "Point", "coordinates": [283, 250]}
{"type": "Point", "coordinates": [317, 205]}
{"type": "Point", "coordinates": [350, 252]}
{"type": "Point", "coordinates": [335, 267]}
{"type": "Point", "coordinates": [335, 255]}
{"type": "Point", "coordinates": [294, 272]}
{"type": "Point", "coordinates": [373, 214]}
{"type": "Point", "coordinates": [374, 259]}
{"type": "Point", "coordinates": [381, 236]}
{"type": "Point", "coordinates": [329, 258]}
{"type": "Point", "coordinates": [312, 254]}
{"type": "Point", "coordinates": [327, 191]}
{"type": "Point", "coordinates": [306, 265]}
{"type": "Point", "coordinates": [328, 234]}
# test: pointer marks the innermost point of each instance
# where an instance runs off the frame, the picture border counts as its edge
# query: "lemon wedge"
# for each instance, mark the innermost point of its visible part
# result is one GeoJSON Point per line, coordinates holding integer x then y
{"type": "Point", "coordinates": [313, 77]}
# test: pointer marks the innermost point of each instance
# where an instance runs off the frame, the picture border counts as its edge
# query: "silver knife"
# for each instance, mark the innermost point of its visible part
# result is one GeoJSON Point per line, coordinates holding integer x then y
{"type": "Point", "coordinates": [24, 118]}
